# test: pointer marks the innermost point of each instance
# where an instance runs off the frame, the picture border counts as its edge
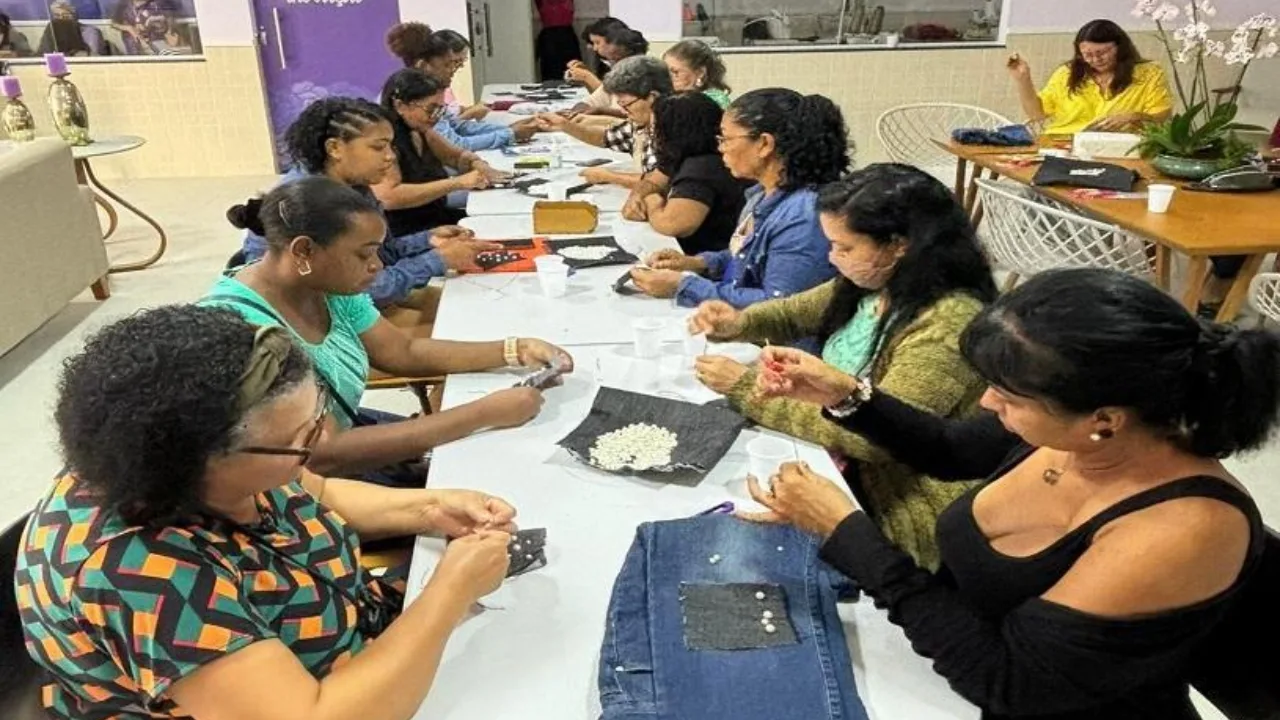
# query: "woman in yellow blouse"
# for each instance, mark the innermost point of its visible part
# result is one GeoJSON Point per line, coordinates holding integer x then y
{"type": "Point", "coordinates": [1106, 86]}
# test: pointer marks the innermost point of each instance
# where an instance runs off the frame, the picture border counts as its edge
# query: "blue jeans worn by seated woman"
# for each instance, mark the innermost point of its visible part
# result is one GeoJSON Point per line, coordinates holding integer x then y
{"type": "Point", "coordinates": [648, 669]}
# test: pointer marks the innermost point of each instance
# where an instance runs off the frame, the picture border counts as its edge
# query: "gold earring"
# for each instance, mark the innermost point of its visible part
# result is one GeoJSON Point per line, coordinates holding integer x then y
{"type": "Point", "coordinates": [304, 268]}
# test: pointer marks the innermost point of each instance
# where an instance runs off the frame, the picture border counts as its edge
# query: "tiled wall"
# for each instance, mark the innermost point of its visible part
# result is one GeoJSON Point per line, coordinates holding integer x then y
{"type": "Point", "coordinates": [865, 84]}
{"type": "Point", "coordinates": [200, 119]}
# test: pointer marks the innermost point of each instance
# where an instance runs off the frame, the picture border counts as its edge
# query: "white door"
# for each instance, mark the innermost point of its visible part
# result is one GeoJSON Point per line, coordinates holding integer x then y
{"type": "Point", "coordinates": [502, 34]}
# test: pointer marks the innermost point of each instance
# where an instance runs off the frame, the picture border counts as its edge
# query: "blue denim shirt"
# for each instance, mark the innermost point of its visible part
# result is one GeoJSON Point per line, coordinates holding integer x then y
{"type": "Point", "coordinates": [785, 254]}
{"type": "Point", "coordinates": [474, 135]}
{"type": "Point", "coordinates": [408, 262]}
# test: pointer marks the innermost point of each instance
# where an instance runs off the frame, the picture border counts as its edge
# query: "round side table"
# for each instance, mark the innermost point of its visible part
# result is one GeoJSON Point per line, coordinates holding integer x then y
{"type": "Point", "coordinates": [115, 145]}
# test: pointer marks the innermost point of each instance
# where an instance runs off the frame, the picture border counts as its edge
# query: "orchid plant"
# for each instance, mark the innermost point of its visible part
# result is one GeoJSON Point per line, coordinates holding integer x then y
{"type": "Point", "coordinates": [1206, 127]}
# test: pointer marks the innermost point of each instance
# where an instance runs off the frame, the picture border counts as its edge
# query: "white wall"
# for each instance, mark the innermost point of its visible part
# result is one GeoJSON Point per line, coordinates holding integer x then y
{"type": "Point", "coordinates": [1069, 15]}
{"type": "Point", "coordinates": [229, 23]}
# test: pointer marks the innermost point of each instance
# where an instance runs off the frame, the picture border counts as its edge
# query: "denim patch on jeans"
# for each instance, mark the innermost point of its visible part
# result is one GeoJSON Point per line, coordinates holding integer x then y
{"type": "Point", "coordinates": [647, 672]}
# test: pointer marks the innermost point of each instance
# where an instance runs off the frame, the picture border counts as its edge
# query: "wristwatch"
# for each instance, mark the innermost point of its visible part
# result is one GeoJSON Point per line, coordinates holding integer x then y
{"type": "Point", "coordinates": [852, 402]}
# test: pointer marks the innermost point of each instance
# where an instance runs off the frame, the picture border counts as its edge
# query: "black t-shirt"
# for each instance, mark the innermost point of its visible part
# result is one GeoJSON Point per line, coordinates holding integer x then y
{"type": "Point", "coordinates": [419, 167]}
{"type": "Point", "coordinates": [705, 179]}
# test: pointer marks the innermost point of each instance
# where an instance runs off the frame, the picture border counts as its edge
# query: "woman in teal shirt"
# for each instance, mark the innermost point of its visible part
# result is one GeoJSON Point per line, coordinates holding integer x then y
{"type": "Point", "coordinates": [696, 67]}
{"type": "Point", "coordinates": [323, 240]}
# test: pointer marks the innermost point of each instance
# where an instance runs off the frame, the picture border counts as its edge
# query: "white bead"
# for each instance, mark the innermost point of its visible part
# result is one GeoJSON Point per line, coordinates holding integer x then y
{"type": "Point", "coordinates": [779, 548]}
{"type": "Point", "coordinates": [768, 615]}
{"type": "Point", "coordinates": [770, 629]}
{"type": "Point", "coordinates": [528, 557]}
{"type": "Point", "coordinates": [764, 621]}
{"type": "Point", "coordinates": [619, 669]}
{"type": "Point", "coordinates": [759, 595]}
{"type": "Point", "coordinates": [516, 548]}
{"type": "Point", "coordinates": [714, 559]}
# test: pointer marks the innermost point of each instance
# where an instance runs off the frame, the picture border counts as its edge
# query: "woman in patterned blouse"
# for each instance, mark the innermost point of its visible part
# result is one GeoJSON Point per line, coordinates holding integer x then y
{"type": "Point", "coordinates": [188, 565]}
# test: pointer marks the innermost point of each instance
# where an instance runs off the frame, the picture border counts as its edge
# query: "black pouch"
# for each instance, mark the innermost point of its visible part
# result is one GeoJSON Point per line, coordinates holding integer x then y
{"type": "Point", "coordinates": [1078, 173]}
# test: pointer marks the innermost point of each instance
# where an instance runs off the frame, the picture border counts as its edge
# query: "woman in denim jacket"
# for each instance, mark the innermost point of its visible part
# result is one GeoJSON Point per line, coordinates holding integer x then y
{"type": "Point", "coordinates": [789, 144]}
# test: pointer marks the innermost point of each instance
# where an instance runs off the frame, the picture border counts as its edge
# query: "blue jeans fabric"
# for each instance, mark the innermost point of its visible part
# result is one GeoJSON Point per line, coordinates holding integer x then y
{"type": "Point", "coordinates": [648, 673]}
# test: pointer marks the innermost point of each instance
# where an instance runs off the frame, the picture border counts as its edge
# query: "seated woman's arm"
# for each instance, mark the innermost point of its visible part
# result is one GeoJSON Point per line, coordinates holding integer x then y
{"type": "Point", "coordinates": [1085, 641]}
{"type": "Point", "coordinates": [394, 194]}
{"type": "Point", "coordinates": [676, 216]}
{"type": "Point", "coordinates": [601, 176]}
{"type": "Point", "coordinates": [796, 261]}
{"type": "Point", "coordinates": [474, 136]}
{"type": "Point", "coordinates": [925, 371]}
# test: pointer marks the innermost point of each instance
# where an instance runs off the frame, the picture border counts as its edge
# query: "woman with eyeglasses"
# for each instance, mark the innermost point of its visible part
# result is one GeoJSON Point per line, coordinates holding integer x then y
{"type": "Point", "coordinates": [416, 189]}
{"type": "Point", "coordinates": [789, 145]}
{"type": "Point", "coordinates": [1107, 86]}
{"type": "Point", "coordinates": [187, 551]}
{"type": "Point", "coordinates": [323, 239]}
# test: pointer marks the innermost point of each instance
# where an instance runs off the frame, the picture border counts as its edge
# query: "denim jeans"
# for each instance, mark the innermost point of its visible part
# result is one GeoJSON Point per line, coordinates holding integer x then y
{"type": "Point", "coordinates": [647, 671]}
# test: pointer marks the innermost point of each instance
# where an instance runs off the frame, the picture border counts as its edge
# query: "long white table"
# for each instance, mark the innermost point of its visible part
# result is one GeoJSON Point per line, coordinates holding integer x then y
{"type": "Point", "coordinates": [496, 305]}
{"type": "Point", "coordinates": [533, 654]}
{"type": "Point", "coordinates": [509, 91]}
{"type": "Point", "coordinates": [608, 198]}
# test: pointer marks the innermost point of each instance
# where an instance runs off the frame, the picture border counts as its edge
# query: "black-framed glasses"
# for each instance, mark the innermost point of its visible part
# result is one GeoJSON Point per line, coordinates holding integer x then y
{"type": "Point", "coordinates": [308, 444]}
{"type": "Point", "coordinates": [721, 140]}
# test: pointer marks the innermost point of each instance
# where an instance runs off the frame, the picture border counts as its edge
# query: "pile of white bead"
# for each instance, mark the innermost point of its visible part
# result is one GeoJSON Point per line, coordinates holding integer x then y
{"type": "Point", "coordinates": [586, 252]}
{"type": "Point", "coordinates": [639, 446]}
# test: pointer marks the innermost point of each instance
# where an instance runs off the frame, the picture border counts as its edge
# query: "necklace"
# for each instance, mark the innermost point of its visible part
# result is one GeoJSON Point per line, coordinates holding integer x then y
{"type": "Point", "coordinates": [1052, 475]}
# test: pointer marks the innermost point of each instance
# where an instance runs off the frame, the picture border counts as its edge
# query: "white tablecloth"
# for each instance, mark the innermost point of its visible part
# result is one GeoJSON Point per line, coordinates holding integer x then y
{"type": "Point", "coordinates": [573, 96]}
{"type": "Point", "coordinates": [570, 152]}
{"type": "Point", "coordinates": [533, 654]}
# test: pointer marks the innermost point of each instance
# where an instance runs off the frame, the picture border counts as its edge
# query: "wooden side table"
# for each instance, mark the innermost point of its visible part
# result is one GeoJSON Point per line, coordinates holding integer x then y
{"type": "Point", "coordinates": [115, 145]}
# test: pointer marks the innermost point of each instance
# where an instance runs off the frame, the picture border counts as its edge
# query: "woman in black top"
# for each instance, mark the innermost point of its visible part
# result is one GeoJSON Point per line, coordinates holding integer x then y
{"type": "Point", "coordinates": [701, 205]}
{"type": "Point", "coordinates": [415, 192]}
{"type": "Point", "coordinates": [1081, 581]}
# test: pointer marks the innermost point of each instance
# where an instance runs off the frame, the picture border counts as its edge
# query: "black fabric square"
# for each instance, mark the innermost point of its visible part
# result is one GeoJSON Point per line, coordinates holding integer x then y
{"type": "Point", "coordinates": [618, 256]}
{"type": "Point", "coordinates": [527, 551]}
{"type": "Point", "coordinates": [735, 616]}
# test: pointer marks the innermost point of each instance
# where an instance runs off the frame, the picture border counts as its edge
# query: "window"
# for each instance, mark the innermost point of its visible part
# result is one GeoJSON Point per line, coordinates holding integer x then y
{"type": "Point", "coordinates": [828, 24]}
{"type": "Point", "coordinates": [99, 29]}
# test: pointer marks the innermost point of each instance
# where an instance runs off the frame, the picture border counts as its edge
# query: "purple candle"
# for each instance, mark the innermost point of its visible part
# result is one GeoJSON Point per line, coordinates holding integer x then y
{"type": "Point", "coordinates": [57, 64]}
{"type": "Point", "coordinates": [10, 86]}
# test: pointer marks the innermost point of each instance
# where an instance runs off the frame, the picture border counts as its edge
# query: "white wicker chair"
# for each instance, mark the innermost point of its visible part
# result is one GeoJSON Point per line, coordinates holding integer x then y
{"type": "Point", "coordinates": [908, 132]}
{"type": "Point", "coordinates": [1264, 295]}
{"type": "Point", "coordinates": [1026, 233]}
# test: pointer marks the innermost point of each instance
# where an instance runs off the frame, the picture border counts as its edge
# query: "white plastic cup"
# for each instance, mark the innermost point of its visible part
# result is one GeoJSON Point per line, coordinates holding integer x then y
{"type": "Point", "coordinates": [1159, 197]}
{"type": "Point", "coordinates": [765, 455]}
{"type": "Point", "coordinates": [695, 346]}
{"type": "Point", "coordinates": [557, 192]}
{"type": "Point", "coordinates": [553, 275]}
{"type": "Point", "coordinates": [892, 40]}
{"type": "Point", "coordinates": [648, 336]}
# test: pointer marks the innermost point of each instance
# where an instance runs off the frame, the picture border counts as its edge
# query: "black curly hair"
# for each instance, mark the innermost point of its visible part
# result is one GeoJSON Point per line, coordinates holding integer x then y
{"type": "Point", "coordinates": [1085, 339]}
{"type": "Point", "coordinates": [808, 131]}
{"type": "Point", "coordinates": [889, 202]}
{"type": "Point", "coordinates": [684, 125]}
{"type": "Point", "coordinates": [631, 41]}
{"type": "Point", "coordinates": [341, 118]}
{"type": "Point", "coordinates": [315, 207]}
{"type": "Point", "coordinates": [151, 399]}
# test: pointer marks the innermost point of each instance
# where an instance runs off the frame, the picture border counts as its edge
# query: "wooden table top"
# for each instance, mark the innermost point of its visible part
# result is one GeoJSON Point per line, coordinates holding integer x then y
{"type": "Point", "coordinates": [1198, 223]}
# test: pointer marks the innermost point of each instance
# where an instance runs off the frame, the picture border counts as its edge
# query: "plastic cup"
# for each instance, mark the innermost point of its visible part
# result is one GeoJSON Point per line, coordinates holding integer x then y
{"type": "Point", "coordinates": [892, 40]}
{"type": "Point", "coordinates": [1159, 197]}
{"type": "Point", "coordinates": [695, 346]}
{"type": "Point", "coordinates": [553, 275]}
{"type": "Point", "coordinates": [766, 454]}
{"type": "Point", "coordinates": [557, 192]}
{"type": "Point", "coordinates": [648, 336]}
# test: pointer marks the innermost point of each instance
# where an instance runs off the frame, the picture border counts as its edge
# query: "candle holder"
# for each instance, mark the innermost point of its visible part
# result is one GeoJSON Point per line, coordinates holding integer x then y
{"type": "Point", "coordinates": [70, 116]}
{"type": "Point", "coordinates": [16, 118]}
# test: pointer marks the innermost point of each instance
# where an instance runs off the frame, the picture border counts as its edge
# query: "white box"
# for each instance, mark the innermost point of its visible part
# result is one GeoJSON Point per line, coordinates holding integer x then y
{"type": "Point", "coordinates": [1105, 145]}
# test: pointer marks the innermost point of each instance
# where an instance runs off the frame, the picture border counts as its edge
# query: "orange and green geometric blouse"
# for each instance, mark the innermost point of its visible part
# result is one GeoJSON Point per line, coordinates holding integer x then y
{"type": "Point", "coordinates": [117, 613]}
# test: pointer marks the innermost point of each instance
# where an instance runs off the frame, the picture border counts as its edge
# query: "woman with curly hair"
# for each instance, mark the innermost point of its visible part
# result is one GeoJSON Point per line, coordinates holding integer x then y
{"type": "Point", "coordinates": [789, 145]}
{"type": "Point", "coordinates": [703, 200]}
{"type": "Point", "coordinates": [912, 277]}
{"type": "Point", "coordinates": [349, 140]}
{"type": "Point", "coordinates": [187, 550]}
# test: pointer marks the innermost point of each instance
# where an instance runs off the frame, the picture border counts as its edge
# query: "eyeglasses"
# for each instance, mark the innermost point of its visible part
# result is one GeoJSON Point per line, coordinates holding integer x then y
{"type": "Point", "coordinates": [721, 140]}
{"type": "Point", "coordinates": [1099, 55]}
{"type": "Point", "coordinates": [434, 112]}
{"type": "Point", "coordinates": [627, 106]}
{"type": "Point", "coordinates": [313, 435]}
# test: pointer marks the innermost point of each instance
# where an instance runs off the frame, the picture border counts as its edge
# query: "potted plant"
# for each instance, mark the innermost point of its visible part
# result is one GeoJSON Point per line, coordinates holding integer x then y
{"type": "Point", "coordinates": [1201, 139]}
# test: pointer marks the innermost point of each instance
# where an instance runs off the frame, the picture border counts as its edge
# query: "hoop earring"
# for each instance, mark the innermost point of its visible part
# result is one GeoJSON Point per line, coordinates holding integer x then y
{"type": "Point", "coordinates": [304, 268]}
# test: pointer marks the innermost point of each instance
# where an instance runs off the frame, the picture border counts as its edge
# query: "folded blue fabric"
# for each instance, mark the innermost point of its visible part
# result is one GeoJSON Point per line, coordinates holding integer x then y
{"type": "Point", "coordinates": [1009, 135]}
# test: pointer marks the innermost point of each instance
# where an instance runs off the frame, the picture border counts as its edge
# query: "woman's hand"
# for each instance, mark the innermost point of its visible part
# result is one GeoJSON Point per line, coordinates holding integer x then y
{"type": "Point", "coordinates": [656, 283]}
{"type": "Point", "coordinates": [597, 176]}
{"type": "Point", "coordinates": [456, 513]}
{"type": "Point", "coordinates": [579, 73]}
{"type": "Point", "coordinates": [509, 408]}
{"type": "Point", "coordinates": [473, 565]}
{"type": "Point", "coordinates": [446, 234]}
{"type": "Point", "coordinates": [787, 372]}
{"type": "Point", "coordinates": [1117, 123]}
{"type": "Point", "coordinates": [551, 122]}
{"type": "Point", "coordinates": [635, 209]}
{"type": "Point", "coordinates": [803, 498]}
{"type": "Point", "coordinates": [525, 129]}
{"type": "Point", "coordinates": [491, 174]}
{"type": "Point", "coordinates": [669, 259]}
{"type": "Point", "coordinates": [476, 179]}
{"type": "Point", "coordinates": [461, 254]}
{"type": "Point", "coordinates": [538, 354]}
{"type": "Point", "coordinates": [717, 319]}
{"type": "Point", "coordinates": [1018, 68]}
{"type": "Point", "coordinates": [718, 372]}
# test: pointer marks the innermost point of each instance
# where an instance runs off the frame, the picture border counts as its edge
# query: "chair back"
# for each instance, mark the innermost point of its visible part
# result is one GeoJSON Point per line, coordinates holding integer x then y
{"type": "Point", "coordinates": [908, 132]}
{"type": "Point", "coordinates": [1026, 233]}
{"type": "Point", "coordinates": [1264, 295]}
{"type": "Point", "coordinates": [1238, 669]}
{"type": "Point", "coordinates": [20, 676]}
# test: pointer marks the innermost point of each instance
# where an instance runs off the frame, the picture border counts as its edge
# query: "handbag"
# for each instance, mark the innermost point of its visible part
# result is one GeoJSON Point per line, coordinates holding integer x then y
{"type": "Point", "coordinates": [1078, 173]}
{"type": "Point", "coordinates": [403, 474]}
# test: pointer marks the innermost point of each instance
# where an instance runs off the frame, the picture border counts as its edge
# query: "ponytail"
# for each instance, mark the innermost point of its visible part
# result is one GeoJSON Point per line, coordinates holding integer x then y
{"type": "Point", "coordinates": [1232, 394]}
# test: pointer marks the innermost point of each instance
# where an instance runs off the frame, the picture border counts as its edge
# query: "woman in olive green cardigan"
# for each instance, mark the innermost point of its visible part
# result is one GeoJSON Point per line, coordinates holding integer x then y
{"type": "Point", "coordinates": [912, 278]}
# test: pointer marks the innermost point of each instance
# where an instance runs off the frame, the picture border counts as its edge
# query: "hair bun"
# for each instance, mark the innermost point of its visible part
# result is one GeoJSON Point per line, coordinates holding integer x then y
{"type": "Point", "coordinates": [247, 216]}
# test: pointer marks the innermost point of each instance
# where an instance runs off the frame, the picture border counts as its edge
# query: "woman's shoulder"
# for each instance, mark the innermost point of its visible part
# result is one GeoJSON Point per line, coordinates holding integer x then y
{"type": "Point", "coordinates": [954, 311]}
{"type": "Point", "coordinates": [1148, 71]}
